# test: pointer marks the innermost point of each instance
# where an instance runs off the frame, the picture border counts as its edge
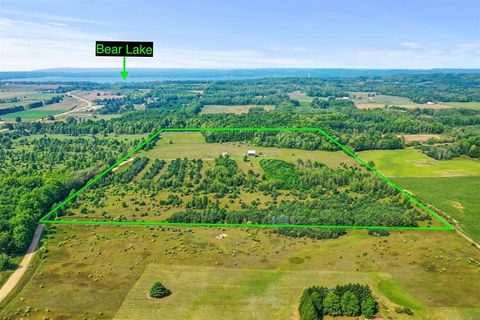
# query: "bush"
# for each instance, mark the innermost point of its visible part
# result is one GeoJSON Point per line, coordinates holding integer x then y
{"type": "Point", "coordinates": [158, 291]}
{"type": "Point", "coordinates": [378, 232]}
{"type": "Point", "coordinates": [5, 262]}
{"type": "Point", "coordinates": [408, 311]}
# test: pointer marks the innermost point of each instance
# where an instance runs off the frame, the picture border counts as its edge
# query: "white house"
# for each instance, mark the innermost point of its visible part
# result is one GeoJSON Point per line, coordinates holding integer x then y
{"type": "Point", "coordinates": [251, 153]}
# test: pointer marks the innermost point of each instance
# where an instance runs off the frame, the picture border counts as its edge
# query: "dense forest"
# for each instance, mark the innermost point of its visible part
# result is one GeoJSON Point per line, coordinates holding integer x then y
{"type": "Point", "coordinates": [39, 173]}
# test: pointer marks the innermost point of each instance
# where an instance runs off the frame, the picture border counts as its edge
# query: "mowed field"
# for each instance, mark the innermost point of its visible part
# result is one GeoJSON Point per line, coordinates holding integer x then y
{"type": "Point", "coordinates": [229, 293]}
{"type": "Point", "coordinates": [239, 109]}
{"type": "Point", "coordinates": [459, 197]}
{"type": "Point", "coordinates": [410, 162]}
{"type": "Point", "coordinates": [104, 272]}
{"type": "Point", "coordinates": [451, 186]}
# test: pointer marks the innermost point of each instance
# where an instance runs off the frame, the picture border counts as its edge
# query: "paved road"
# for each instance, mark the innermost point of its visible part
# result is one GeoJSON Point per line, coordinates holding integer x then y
{"type": "Point", "coordinates": [18, 274]}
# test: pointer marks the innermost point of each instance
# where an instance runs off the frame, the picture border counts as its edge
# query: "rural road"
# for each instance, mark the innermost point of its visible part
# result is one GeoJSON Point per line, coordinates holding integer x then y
{"type": "Point", "coordinates": [18, 274]}
{"type": "Point", "coordinates": [88, 106]}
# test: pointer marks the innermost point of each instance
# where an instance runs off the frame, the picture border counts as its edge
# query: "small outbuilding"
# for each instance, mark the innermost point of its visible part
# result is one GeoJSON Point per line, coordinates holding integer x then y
{"type": "Point", "coordinates": [251, 153]}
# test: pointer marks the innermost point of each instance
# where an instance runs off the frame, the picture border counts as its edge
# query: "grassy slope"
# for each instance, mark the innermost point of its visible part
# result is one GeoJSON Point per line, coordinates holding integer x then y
{"type": "Point", "coordinates": [457, 196]}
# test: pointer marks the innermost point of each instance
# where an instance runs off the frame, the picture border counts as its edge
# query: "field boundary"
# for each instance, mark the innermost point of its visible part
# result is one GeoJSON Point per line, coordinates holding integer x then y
{"type": "Point", "coordinates": [46, 218]}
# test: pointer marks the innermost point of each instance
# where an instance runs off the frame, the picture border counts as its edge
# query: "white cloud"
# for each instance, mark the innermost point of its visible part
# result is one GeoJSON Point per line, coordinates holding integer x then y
{"type": "Point", "coordinates": [27, 45]}
{"type": "Point", "coordinates": [42, 16]}
{"type": "Point", "coordinates": [411, 45]}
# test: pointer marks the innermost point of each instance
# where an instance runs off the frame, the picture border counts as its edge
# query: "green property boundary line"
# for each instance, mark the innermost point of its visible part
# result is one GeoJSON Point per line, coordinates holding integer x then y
{"type": "Point", "coordinates": [45, 219]}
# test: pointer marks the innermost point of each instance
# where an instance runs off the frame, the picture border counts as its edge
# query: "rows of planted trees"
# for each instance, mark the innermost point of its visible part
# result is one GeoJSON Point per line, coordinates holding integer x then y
{"type": "Point", "coordinates": [302, 193]}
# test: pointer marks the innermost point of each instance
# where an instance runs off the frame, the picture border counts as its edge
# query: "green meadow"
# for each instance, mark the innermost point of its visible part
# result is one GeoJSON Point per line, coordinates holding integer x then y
{"type": "Point", "coordinates": [31, 114]}
{"type": "Point", "coordinates": [456, 196]}
{"type": "Point", "coordinates": [410, 162]}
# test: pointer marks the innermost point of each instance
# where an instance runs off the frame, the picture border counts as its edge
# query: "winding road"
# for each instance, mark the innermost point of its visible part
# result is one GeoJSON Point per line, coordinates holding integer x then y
{"type": "Point", "coordinates": [18, 274]}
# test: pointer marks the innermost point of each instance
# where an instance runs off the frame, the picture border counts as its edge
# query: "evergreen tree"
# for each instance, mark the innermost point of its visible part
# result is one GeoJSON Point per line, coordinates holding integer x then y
{"type": "Point", "coordinates": [331, 304]}
{"type": "Point", "coordinates": [350, 304]}
{"type": "Point", "coordinates": [307, 308]}
{"type": "Point", "coordinates": [158, 290]}
{"type": "Point", "coordinates": [369, 307]}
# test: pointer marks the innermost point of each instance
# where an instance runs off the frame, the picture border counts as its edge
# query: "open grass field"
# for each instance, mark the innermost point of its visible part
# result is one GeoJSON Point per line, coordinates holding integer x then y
{"type": "Point", "coordinates": [200, 292]}
{"type": "Point", "coordinates": [456, 196]}
{"type": "Point", "coordinates": [214, 109]}
{"type": "Point", "coordinates": [31, 114]}
{"type": "Point", "coordinates": [449, 185]}
{"type": "Point", "coordinates": [25, 97]}
{"type": "Point", "coordinates": [93, 95]}
{"type": "Point", "coordinates": [464, 105]}
{"type": "Point", "coordinates": [102, 272]}
{"type": "Point", "coordinates": [410, 162]}
{"type": "Point", "coordinates": [363, 101]}
{"type": "Point", "coordinates": [193, 145]}
{"type": "Point", "coordinates": [305, 101]}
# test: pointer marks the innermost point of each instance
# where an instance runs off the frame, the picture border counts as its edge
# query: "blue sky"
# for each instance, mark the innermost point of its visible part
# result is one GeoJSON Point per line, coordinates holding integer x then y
{"type": "Point", "coordinates": [244, 33]}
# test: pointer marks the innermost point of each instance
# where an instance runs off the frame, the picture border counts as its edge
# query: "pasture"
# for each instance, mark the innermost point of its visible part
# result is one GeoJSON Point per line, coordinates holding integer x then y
{"type": "Point", "coordinates": [31, 114]}
{"type": "Point", "coordinates": [464, 105]}
{"type": "Point", "coordinates": [104, 270]}
{"type": "Point", "coordinates": [456, 196]}
{"type": "Point", "coordinates": [200, 292]}
{"type": "Point", "coordinates": [410, 162]}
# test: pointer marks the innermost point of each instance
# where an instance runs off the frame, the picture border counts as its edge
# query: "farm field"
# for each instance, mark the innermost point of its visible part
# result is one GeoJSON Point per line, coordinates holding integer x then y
{"type": "Point", "coordinates": [363, 101]}
{"type": "Point", "coordinates": [252, 293]}
{"type": "Point", "coordinates": [410, 162]}
{"type": "Point", "coordinates": [214, 109]}
{"type": "Point", "coordinates": [449, 185]}
{"type": "Point", "coordinates": [115, 265]}
{"type": "Point", "coordinates": [31, 114]}
{"type": "Point", "coordinates": [25, 97]}
{"type": "Point", "coordinates": [456, 196]}
{"type": "Point", "coordinates": [464, 105]}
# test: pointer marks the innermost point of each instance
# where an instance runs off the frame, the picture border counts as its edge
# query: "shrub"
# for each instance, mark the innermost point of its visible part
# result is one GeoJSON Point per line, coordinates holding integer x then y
{"type": "Point", "coordinates": [5, 262]}
{"type": "Point", "coordinates": [378, 232]}
{"type": "Point", "coordinates": [158, 291]}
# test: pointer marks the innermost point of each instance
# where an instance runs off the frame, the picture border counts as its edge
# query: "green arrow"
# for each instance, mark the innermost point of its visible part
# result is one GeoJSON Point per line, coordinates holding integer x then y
{"type": "Point", "coordinates": [124, 73]}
